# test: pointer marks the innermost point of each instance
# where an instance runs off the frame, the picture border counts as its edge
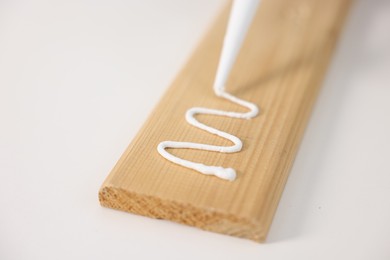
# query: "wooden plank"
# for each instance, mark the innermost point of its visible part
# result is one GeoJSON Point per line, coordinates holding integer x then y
{"type": "Point", "coordinates": [280, 68]}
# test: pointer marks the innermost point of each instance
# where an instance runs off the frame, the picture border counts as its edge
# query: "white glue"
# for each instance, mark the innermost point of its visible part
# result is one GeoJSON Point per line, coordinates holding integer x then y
{"type": "Point", "coordinates": [240, 18]}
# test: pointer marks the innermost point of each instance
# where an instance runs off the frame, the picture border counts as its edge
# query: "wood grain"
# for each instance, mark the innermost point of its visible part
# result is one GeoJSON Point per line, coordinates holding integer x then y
{"type": "Point", "coordinates": [280, 68]}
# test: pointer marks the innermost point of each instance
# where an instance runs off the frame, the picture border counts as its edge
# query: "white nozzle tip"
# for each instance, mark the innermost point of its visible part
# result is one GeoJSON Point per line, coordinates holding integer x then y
{"type": "Point", "coordinates": [218, 91]}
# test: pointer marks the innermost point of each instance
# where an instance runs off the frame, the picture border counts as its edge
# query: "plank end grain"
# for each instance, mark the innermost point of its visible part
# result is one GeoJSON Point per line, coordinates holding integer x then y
{"type": "Point", "coordinates": [204, 218]}
{"type": "Point", "coordinates": [280, 68]}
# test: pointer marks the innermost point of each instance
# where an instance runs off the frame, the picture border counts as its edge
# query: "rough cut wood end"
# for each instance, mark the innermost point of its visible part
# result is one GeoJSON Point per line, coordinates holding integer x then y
{"type": "Point", "coordinates": [206, 219]}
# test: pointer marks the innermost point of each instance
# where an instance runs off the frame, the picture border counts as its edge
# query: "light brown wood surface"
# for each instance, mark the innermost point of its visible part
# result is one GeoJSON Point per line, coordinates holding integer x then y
{"type": "Point", "coordinates": [280, 68]}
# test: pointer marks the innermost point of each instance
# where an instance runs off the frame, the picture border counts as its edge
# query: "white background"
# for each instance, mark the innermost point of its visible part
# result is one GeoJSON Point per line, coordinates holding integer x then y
{"type": "Point", "coordinates": [77, 80]}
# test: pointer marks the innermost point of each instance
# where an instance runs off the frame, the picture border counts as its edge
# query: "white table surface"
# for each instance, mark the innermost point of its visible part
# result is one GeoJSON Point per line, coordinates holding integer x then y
{"type": "Point", "coordinates": [77, 80]}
